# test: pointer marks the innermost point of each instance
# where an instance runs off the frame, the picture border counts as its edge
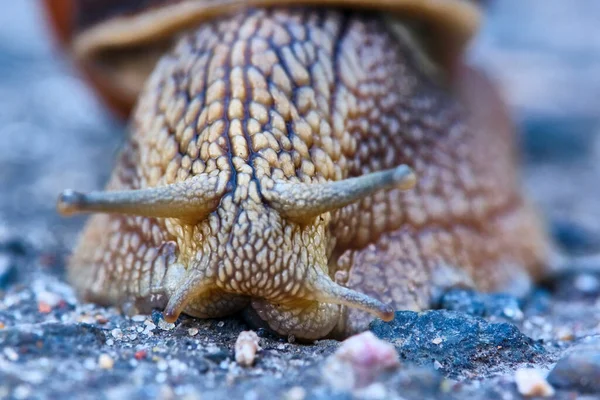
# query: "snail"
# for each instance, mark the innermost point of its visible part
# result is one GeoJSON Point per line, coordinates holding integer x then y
{"type": "Point", "coordinates": [308, 164]}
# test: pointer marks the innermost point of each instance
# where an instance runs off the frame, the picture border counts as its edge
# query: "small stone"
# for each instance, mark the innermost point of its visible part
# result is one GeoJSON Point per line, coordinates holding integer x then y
{"type": "Point", "coordinates": [246, 347]}
{"type": "Point", "coordinates": [11, 354]}
{"type": "Point", "coordinates": [531, 383]}
{"type": "Point", "coordinates": [89, 364]}
{"type": "Point", "coordinates": [295, 393]}
{"type": "Point", "coordinates": [44, 308]}
{"type": "Point", "coordinates": [138, 318]}
{"type": "Point", "coordinates": [140, 354]}
{"type": "Point", "coordinates": [105, 361]}
{"type": "Point", "coordinates": [162, 365]}
{"type": "Point", "coordinates": [375, 391]}
{"type": "Point", "coordinates": [117, 333]}
{"type": "Point", "coordinates": [150, 326]}
{"type": "Point", "coordinates": [437, 365]}
{"type": "Point", "coordinates": [22, 392]}
{"type": "Point", "coordinates": [50, 299]}
{"type": "Point", "coordinates": [358, 361]}
{"type": "Point", "coordinates": [291, 338]}
{"type": "Point", "coordinates": [193, 331]}
{"type": "Point", "coordinates": [161, 377]}
{"type": "Point", "coordinates": [101, 319]}
{"type": "Point", "coordinates": [86, 319]}
{"type": "Point", "coordinates": [587, 283]}
{"type": "Point", "coordinates": [578, 371]}
{"type": "Point", "coordinates": [110, 342]}
{"type": "Point", "coordinates": [437, 340]}
{"type": "Point", "coordinates": [165, 326]}
{"type": "Point", "coordinates": [220, 324]}
{"type": "Point", "coordinates": [565, 334]}
{"type": "Point", "coordinates": [166, 393]}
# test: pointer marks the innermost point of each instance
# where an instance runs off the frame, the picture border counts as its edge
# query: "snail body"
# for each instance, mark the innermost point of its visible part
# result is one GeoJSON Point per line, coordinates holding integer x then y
{"type": "Point", "coordinates": [307, 167]}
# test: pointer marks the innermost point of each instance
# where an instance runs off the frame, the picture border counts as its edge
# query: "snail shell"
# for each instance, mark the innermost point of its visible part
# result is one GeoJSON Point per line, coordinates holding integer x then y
{"type": "Point", "coordinates": [272, 167]}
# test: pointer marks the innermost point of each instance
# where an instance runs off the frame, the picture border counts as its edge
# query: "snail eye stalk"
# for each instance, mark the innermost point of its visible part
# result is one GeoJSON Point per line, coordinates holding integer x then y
{"type": "Point", "coordinates": [304, 201]}
{"type": "Point", "coordinates": [192, 200]}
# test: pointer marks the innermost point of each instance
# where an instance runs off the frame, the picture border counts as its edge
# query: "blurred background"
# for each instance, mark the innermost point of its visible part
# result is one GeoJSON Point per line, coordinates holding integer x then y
{"type": "Point", "coordinates": [543, 54]}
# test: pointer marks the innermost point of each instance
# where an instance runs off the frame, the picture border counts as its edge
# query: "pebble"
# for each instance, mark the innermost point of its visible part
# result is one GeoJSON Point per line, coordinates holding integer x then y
{"type": "Point", "coordinates": [437, 340]}
{"type": "Point", "coordinates": [578, 371]}
{"type": "Point", "coordinates": [11, 354]}
{"type": "Point", "coordinates": [49, 298]}
{"type": "Point", "coordinates": [587, 283]}
{"type": "Point", "coordinates": [295, 393]}
{"type": "Point", "coordinates": [105, 361]}
{"type": "Point", "coordinates": [44, 308]}
{"type": "Point", "coordinates": [375, 391]}
{"type": "Point", "coordinates": [246, 347]}
{"type": "Point", "coordinates": [165, 326]}
{"type": "Point", "coordinates": [565, 334]}
{"type": "Point", "coordinates": [358, 361]}
{"type": "Point", "coordinates": [117, 333]}
{"type": "Point", "coordinates": [193, 331]}
{"type": "Point", "coordinates": [22, 392]}
{"type": "Point", "coordinates": [161, 377]}
{"type": "Point", "coordinates": [531, 383]}
{"type": "Point", "coordinates": [89, 364]}
{"type": "Point", "coordinates": [140, 354]}
{"type": "Point", "coordinates": [150, 326]}
{"type": "Point", "coordinates": [162, 365]}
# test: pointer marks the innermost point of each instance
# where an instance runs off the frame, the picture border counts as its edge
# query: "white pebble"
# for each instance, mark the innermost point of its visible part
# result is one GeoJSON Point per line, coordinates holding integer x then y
{"type": "Point", "coordinates": [11, 354]}
{"type": "Point", "coordinates": [105, 361]}
{"type": "Point", "coordinates": [161, 377]}
{"type": "Point", "coordinates": [193, 331]}
{"type": "Point", "coordinates": [295, 393]}
{"type": "Point", "coordinates": [117, 333]}
{"type": "Point", "coordinates": [162, 365]}
{"type": "Point", "coordinates": [165, 326]}
{"type": "Point", "coordinates": [246, 347]}
{"type": "Point", "coordinates": [22, 392]}
{"type": "Point", "coordinates": [531, 383]}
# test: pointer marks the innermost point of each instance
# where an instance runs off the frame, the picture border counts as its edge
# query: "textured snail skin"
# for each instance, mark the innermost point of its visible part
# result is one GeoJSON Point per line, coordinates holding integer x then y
{"type": "Point", "coordinates": [308, 97]}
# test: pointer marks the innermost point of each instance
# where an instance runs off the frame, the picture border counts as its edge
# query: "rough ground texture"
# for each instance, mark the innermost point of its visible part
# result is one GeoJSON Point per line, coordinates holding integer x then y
{"type": "Point", "coordinates": [54, 135]}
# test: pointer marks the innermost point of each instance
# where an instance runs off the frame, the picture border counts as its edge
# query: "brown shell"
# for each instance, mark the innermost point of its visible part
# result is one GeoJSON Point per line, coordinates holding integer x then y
{"type": "Point", "coordinates": [117, 43]}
